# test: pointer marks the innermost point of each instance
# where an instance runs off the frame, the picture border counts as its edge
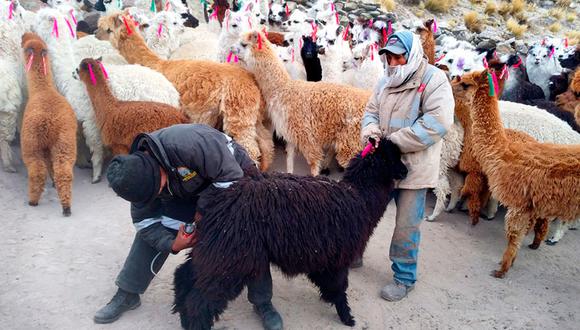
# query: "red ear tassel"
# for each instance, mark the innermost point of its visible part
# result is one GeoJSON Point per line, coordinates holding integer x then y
{"type": "Point", "coordinates": [29, 64]}
{"type": "Point", "coordinates": [485, 65]}
{"type": "Point", "coordinates": [336, 16]}
{"type": "Point", "coordinates": [104, 71]}
{"type": "Point", "coordinates": [367, 150]}
{"type": "Point", "coordinates": [345, 34]}
{"type": "Point", "coordinates": [129, 31]}
{"type": "Point", "coordinates": [314, 31]}
{"type": "Point", "coordinates": [92, 75]}
{"type": "Point", "coordinates": [566, 42]}
{"type": "Point", "coordinates": [11, 10]}
{"type": "Point", "coordinates": [371, 23]}
{"type": "Point", "coordinates": [385, 36]}
{"type": "Point", "coordinates": [372, 52]}
{"type": "Point", "coordinates": [44, 65]}
{"type": "Point", "coordinates": [292, 53]}
{"type": "Point", "coordinates": [265, 32]}
{"type": "Point", "coordinates": [259, 41]}
{"type": "Point", "coordinates": [287, 10]}
{"type": "Point", "coordinates": [332, 7]}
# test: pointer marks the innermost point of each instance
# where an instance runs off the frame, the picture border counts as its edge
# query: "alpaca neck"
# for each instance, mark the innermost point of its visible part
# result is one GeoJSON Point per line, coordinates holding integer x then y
{"type": "Point", "coordinates": [135, 51]}
{"type": "Point", "coordinates": [102, 99]}
{"type": "Point", "coordinates": [37, 81]}
{"type": "Point", "coordinates": [487, 129]}
{"type": "Point", "coordinates": [269, 72]}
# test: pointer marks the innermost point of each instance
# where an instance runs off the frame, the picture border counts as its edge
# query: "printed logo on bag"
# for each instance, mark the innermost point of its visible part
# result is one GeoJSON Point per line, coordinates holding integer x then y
{"type": "Point", "coordinates": [186, 174]}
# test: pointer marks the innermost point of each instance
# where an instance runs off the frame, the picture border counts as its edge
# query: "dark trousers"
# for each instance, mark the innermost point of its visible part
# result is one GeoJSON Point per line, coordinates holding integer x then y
{"type": "Point", "coordinates": [136, 273]}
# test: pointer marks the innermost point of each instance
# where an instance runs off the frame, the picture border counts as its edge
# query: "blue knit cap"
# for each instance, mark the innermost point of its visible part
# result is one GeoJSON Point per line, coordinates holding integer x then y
{"type": "Point", "coordinates": [399, 43]}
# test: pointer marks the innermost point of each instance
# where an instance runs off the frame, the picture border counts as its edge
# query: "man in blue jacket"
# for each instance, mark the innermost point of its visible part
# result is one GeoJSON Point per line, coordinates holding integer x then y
{"type": "Point", "coordinates": [164, 178]}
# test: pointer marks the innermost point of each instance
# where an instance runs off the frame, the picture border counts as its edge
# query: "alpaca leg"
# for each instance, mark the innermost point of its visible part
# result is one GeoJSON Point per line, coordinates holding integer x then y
{"type": "Point", "coordinates": [491, 208]}
{"type": "Point", "coordinates": [441, 192]}
{"type": "Point", "coordinates": [247, 137]}
{"type": "Point", "coordinates": [266, 145]}
{"type": "Point", "coordinates": [83, 151]}
{"type": "Point", "coordinates": [472, 189]}
{"type": "Point", "coordinates": [333, 285]}
{"type": "Point", "coordinates": [290, 149]}
{"type": "Point", "coordinates": [516, 223]}
{"type": "Point", "coordinates": [561, 228]}
{"type": "Point", "coordinates": [455, 183]}
{"type": "Point", "coordinates": [485, 199]}
{"type": "Point", "coordinates": [196, 309]}
{"type": "Point", "coordinates": [63, 178]}
{"type": "Point", "coordinates": [37, 171]}
{"type": "Point", "coordinates": [95, 144]}
{"type": "Point", "coordinates": [540, 232]}
{"type": "Point", "coordinates": [7, 134]}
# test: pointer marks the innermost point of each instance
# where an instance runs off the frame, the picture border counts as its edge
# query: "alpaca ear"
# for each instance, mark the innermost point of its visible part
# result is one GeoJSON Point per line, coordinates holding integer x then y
{"type": "Point", "coordinates": [227, 14]}
{"type": "Point", "coordinates": [118, 21]}
{"type": "Point", "coordinates": [339, 30]}
{"type": "Point", "coordinates": [429, 24]}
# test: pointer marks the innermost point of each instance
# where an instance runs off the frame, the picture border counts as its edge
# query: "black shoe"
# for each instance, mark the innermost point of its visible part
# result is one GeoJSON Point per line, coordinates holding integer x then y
{"type": "Point", "coordinates": [271, 319]}
{"type": "Point", "coordinates": [122, 301]}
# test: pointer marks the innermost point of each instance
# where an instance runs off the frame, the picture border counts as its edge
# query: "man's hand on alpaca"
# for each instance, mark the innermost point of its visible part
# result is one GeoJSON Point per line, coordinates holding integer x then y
{"type": "Point", "coordinates": [183, 240]}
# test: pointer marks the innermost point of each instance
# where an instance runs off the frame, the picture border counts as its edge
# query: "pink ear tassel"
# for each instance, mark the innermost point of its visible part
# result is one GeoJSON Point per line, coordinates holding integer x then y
{"type": "Point", "coordinates": [159, 29]}
{"type": "Point", "coordinates": [250, 23]}
{"type": "Point", "coordinates": [389, 29]}
{"type": "Point", "coordinates": [236, 59]}
{"type": "Point", "coordinates": [103, 70]}
{"type": "Point", "coordinates": [551, 52]}
{"type": "Point", "coordinates": [44, 65]}
{"type": "Point", "coordinates": [566, 42]}
{"type": "Point", "coordinates": [11, 10]}
{"type": "Point", "coordinates": [332, 7]}
{"type": "Point", "coordinates": [300, 43]}
{"type": "Point", "coordinates": [29, 64]}
{"type": "Point", "coordinates": [495, 84]}
{"type": "Point", "coordinates": [371, 23]}
{"type": "Point", "coordinates": [336, 16]}
{"type": "Point", "coordinates": [503, 71]}
{"type": "Point", "coordinates": [287, 10]}
{"type": "Point", "coordinates": [92, 75]}
{"type": "Point", "coordinates": [314, 31]}
{"type": "Point", "coordinates": [72, 16]}
{"type": "Point", "coordinates": [292, 54]}
{"type": "Point", "coordinates": [167, 5]}
{"type": "Point", "coordinates": [72, 32]}
{"type": "Point", "coordinates": [129, 31]}
{"type": "Point", "coordinates": [372, 52]}
{"type": "Point", "coordinates": [55, 28]}
{"type": "Point", "coordinates": [230, 57]}
{"type": "Point", "coordinates": [214, 13]}
{"type": "Point", "coordinates": [345, 34]}
{"type": "Point", "coordinates": [485, 65]}
{"type": "Point", "coordinates": [259, 41]}
{"type": "Point", "coordinates": [434, 25]}
{"type": "Point", "coordinates": [367, 150]}
{"type": "Point", "coordinates": [265, 32]}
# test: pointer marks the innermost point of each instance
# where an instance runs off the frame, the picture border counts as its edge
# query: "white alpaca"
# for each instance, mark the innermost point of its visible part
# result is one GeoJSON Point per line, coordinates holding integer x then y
{"type": "Point", "coordinates": [541, 64]}
{"type": "Point", "coordinates": [13, 86]}
{"type": "Point", "coordinates": [366, 67]}
{"type": "Point", "coordinates": [91, 47]}
{"type": "Point", "coordinates": [200, 43]}
{"type": "Point", "coordinates": [289, 57]}
{"type": "Point", "coordinates": [128, 82]}
{"type": "Point", "coordinates": [234, 23]}
{"type": "Point", "coordinates": [163, 33]}
{"type": "Point", "coordinates": [333, 52]}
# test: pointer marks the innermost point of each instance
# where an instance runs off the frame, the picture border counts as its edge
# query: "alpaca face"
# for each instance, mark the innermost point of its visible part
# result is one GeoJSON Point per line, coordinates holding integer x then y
{"type": "Point", "coordinates": [112, 27]}
{"type": "Point", "coordinates": [33, 48]}
{"type": "Point", "coordinates": [329, 38]}
{"type": "Point", "coordinates": [537, 56]}
{"type": "Point", "coordinates": [309, 49]}
{"type": "Point", "coordinates": [236, 22]}
{"type": "Point", "coordinates": [373, 163]}
{"type": "Point", "coordinates": [277, 14]}
{"type": "Point", "coordinates": [297, 22]}
{"type": "Point", "coordinates": [464, 87]}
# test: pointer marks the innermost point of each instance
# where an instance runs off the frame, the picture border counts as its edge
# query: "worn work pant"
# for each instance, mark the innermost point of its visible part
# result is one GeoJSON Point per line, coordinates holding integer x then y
{"type": "Point", "coordinates": [136, 273]}
{"type": "Point", "coordinates": [405, 242]}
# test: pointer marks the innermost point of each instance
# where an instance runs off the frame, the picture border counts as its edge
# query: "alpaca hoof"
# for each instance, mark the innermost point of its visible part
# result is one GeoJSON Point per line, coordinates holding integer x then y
{"type": "Point", "coordinates": [350, 322]}
{"type": "Point", "coordinates": [430, 218]}
{"type": "Point", "coordinates": [489, 218]}
{"type": "Point", "coordinates": [498, 274]}
{"type": "Point", "coordinates": [10, 169]}
{"type": "Point", "coordinates": [325, 171]}
{"type": "Point", "coordinates": [474, 221]}
{"type": "Point", "coordinates": [551, 242]}
{"type": "Point", "coordinates": [31, 203]}
{"type": "Point", "coordinates": [534, 246]}
{"type": "Point", "coordinates": [96, 180]}
{"type": "Point", "coordinates": [573, 228]}
{"type": "Point", "coordinates": [66, 211]}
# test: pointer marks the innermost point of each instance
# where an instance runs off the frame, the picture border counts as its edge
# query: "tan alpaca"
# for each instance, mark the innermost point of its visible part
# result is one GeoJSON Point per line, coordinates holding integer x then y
{"type": "Point", "coordinates": [122, 121]}
{"type": "Point", "coordinates": [427, 40]}
{"type": "Point", "coordinates": [49, 126]}
{"type": "Point", "coordinates": [537, 182]}
{"type": "Point", "coordinates": [311, 116]}
{"type": "Point", "coordinates": [571, 98]}
{"type": "Point", "coordinates": [219, 95]}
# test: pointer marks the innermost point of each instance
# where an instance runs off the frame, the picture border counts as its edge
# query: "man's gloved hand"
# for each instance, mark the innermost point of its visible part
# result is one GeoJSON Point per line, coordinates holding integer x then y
{"type": "Point", "coordinates": [183, 240]}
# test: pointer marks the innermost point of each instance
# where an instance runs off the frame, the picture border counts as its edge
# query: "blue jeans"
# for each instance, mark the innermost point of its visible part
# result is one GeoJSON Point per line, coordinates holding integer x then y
{"type": "Point", "coordinates": [406, 237]}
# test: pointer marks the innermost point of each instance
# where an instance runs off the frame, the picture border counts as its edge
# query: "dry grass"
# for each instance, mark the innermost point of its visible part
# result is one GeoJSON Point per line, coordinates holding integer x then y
{"type": "Point", "coordinates": [439, 6]}
{"type": "Point", "coordinates": [556, 27]}
{"type": "Point", "coordinates": [557, 13]}
{"type": "Point", "coordinates": [518, 6]}
{"type": "Point", "coordinates": [419, 13]}
{"type": "Point", "coordinates": [473, 22]}
{"type": "Point", "coordinates": [563, 3]}
{"type": "Point", "coordinates": [573, 37]}
{"type": "Point", "coordinates": [452, 23]}
{"type": "Point", "coordinates": [490, 8]}
{"type": "Point", "coordinates": [476, 2]}
{"type": "Point", "coordinates": [389, 5]}
{"type": "Point", "coordinates": [521, 17]}
{"type": "Point", "coordinates": [571, 17]}
{"type": "Point", "coordinates": [516, 29]}
{"type": "Point", "coordinates": [504, 8]}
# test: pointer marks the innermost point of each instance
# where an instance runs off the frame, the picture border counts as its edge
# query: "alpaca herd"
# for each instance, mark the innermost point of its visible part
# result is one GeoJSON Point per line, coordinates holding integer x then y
{"type": "Point", "coordinates": [271, 68]}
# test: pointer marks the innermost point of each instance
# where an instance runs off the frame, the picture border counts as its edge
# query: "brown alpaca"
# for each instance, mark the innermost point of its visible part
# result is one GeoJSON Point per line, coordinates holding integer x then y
{"type": "Point", "coordinates": [427, 40]}
{"type": "Point", "coordinates": [276, 38]}
{"type": "Point", "coordinates": [571, 98]}
{"type": "Point", "coordinates": [216, 94]}
{"type": "Point", "coordinates": [122, 121]}
{"type": "Point", "coordinates": [537, 182]}
{"type": "Point", "coordinates": [310, 116]}
{"type": "Point", "coordinates": [49, 126]}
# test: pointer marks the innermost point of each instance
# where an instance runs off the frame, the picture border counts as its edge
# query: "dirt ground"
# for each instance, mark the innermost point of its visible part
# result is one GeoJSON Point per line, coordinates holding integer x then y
{"type": "Point", "coordinates": [56, 272]}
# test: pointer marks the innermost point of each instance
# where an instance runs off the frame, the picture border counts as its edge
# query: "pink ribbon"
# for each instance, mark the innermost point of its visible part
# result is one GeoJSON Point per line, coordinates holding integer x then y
{"type": "Point", "coordinates": [55, 28]}
{"type": "Point", "coordinates": [103, 70]}
{"type": "Point", "coordinates": [29, 64]}
{"type": "Point", "coordinates": [11, 10]}
{"type": "Point", "coordinates": [74, 19]}
{"type": "Point", "coordinates": [159, 29]}
{"type": "Point", "coordinates": [92, 75]}
{"type": "Point", "coordinates": [287, 10]}
{"type": "Point", "coordinates": [72, 32]}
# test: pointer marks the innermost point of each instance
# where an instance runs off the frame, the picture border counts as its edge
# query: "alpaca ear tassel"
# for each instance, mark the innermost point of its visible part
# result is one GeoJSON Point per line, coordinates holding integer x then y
{"type": "Point", "coordinates": [70, 29]}
{"type": "Point", "coordinates": [345, 34]}
{"type": "Point", "coordinates": [29, 64]}
{"type": "Point", "coordinates": [566, 42]}
{"type": "Point", "coordinates": [230, 56]}
{"type": "Point", "coordinates": [129, 31]}
{"type": "Point", "coordinates": [287, 11]}
{"type": "Point", "coordinates": [159, 29]}
{"type": "Point", "coordinates": [259, 41]}
{"type": "Point", "coordinates": [336, 16]}
{"type": "Point", "coordinates": [44, 65]}
{"type": "Point", "coordinates": [495, 83]}
{"type": "Point", "coordinates": [11, 10]}
{"type": "Point", "coordinates": [92, 75]}
{"type": "Point", "coordinates": [292, 53]}
{"type": "Point", "coordinates": [434, 25]}
{"type": "Point", "coordinates": [153, 8]}
{"type": "Point", "coordinates": [389, 29]}
{"type": "Point", "coordinates": [103, 70]}
{"type": "Point", "coordinates": [369, 148]}
{"type": "Point", "coordinates": [72, 16]}
{"type": "Point", "coordinates": [491, 86]}
{"type": "Point", "coordinates": [55, 28]}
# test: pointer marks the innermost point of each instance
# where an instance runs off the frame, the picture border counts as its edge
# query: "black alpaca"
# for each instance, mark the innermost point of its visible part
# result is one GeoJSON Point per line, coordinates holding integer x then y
{"type": "Point", "coordinates": [309, 54]}
{"type": "Point", "coordinates": [302, 224]}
